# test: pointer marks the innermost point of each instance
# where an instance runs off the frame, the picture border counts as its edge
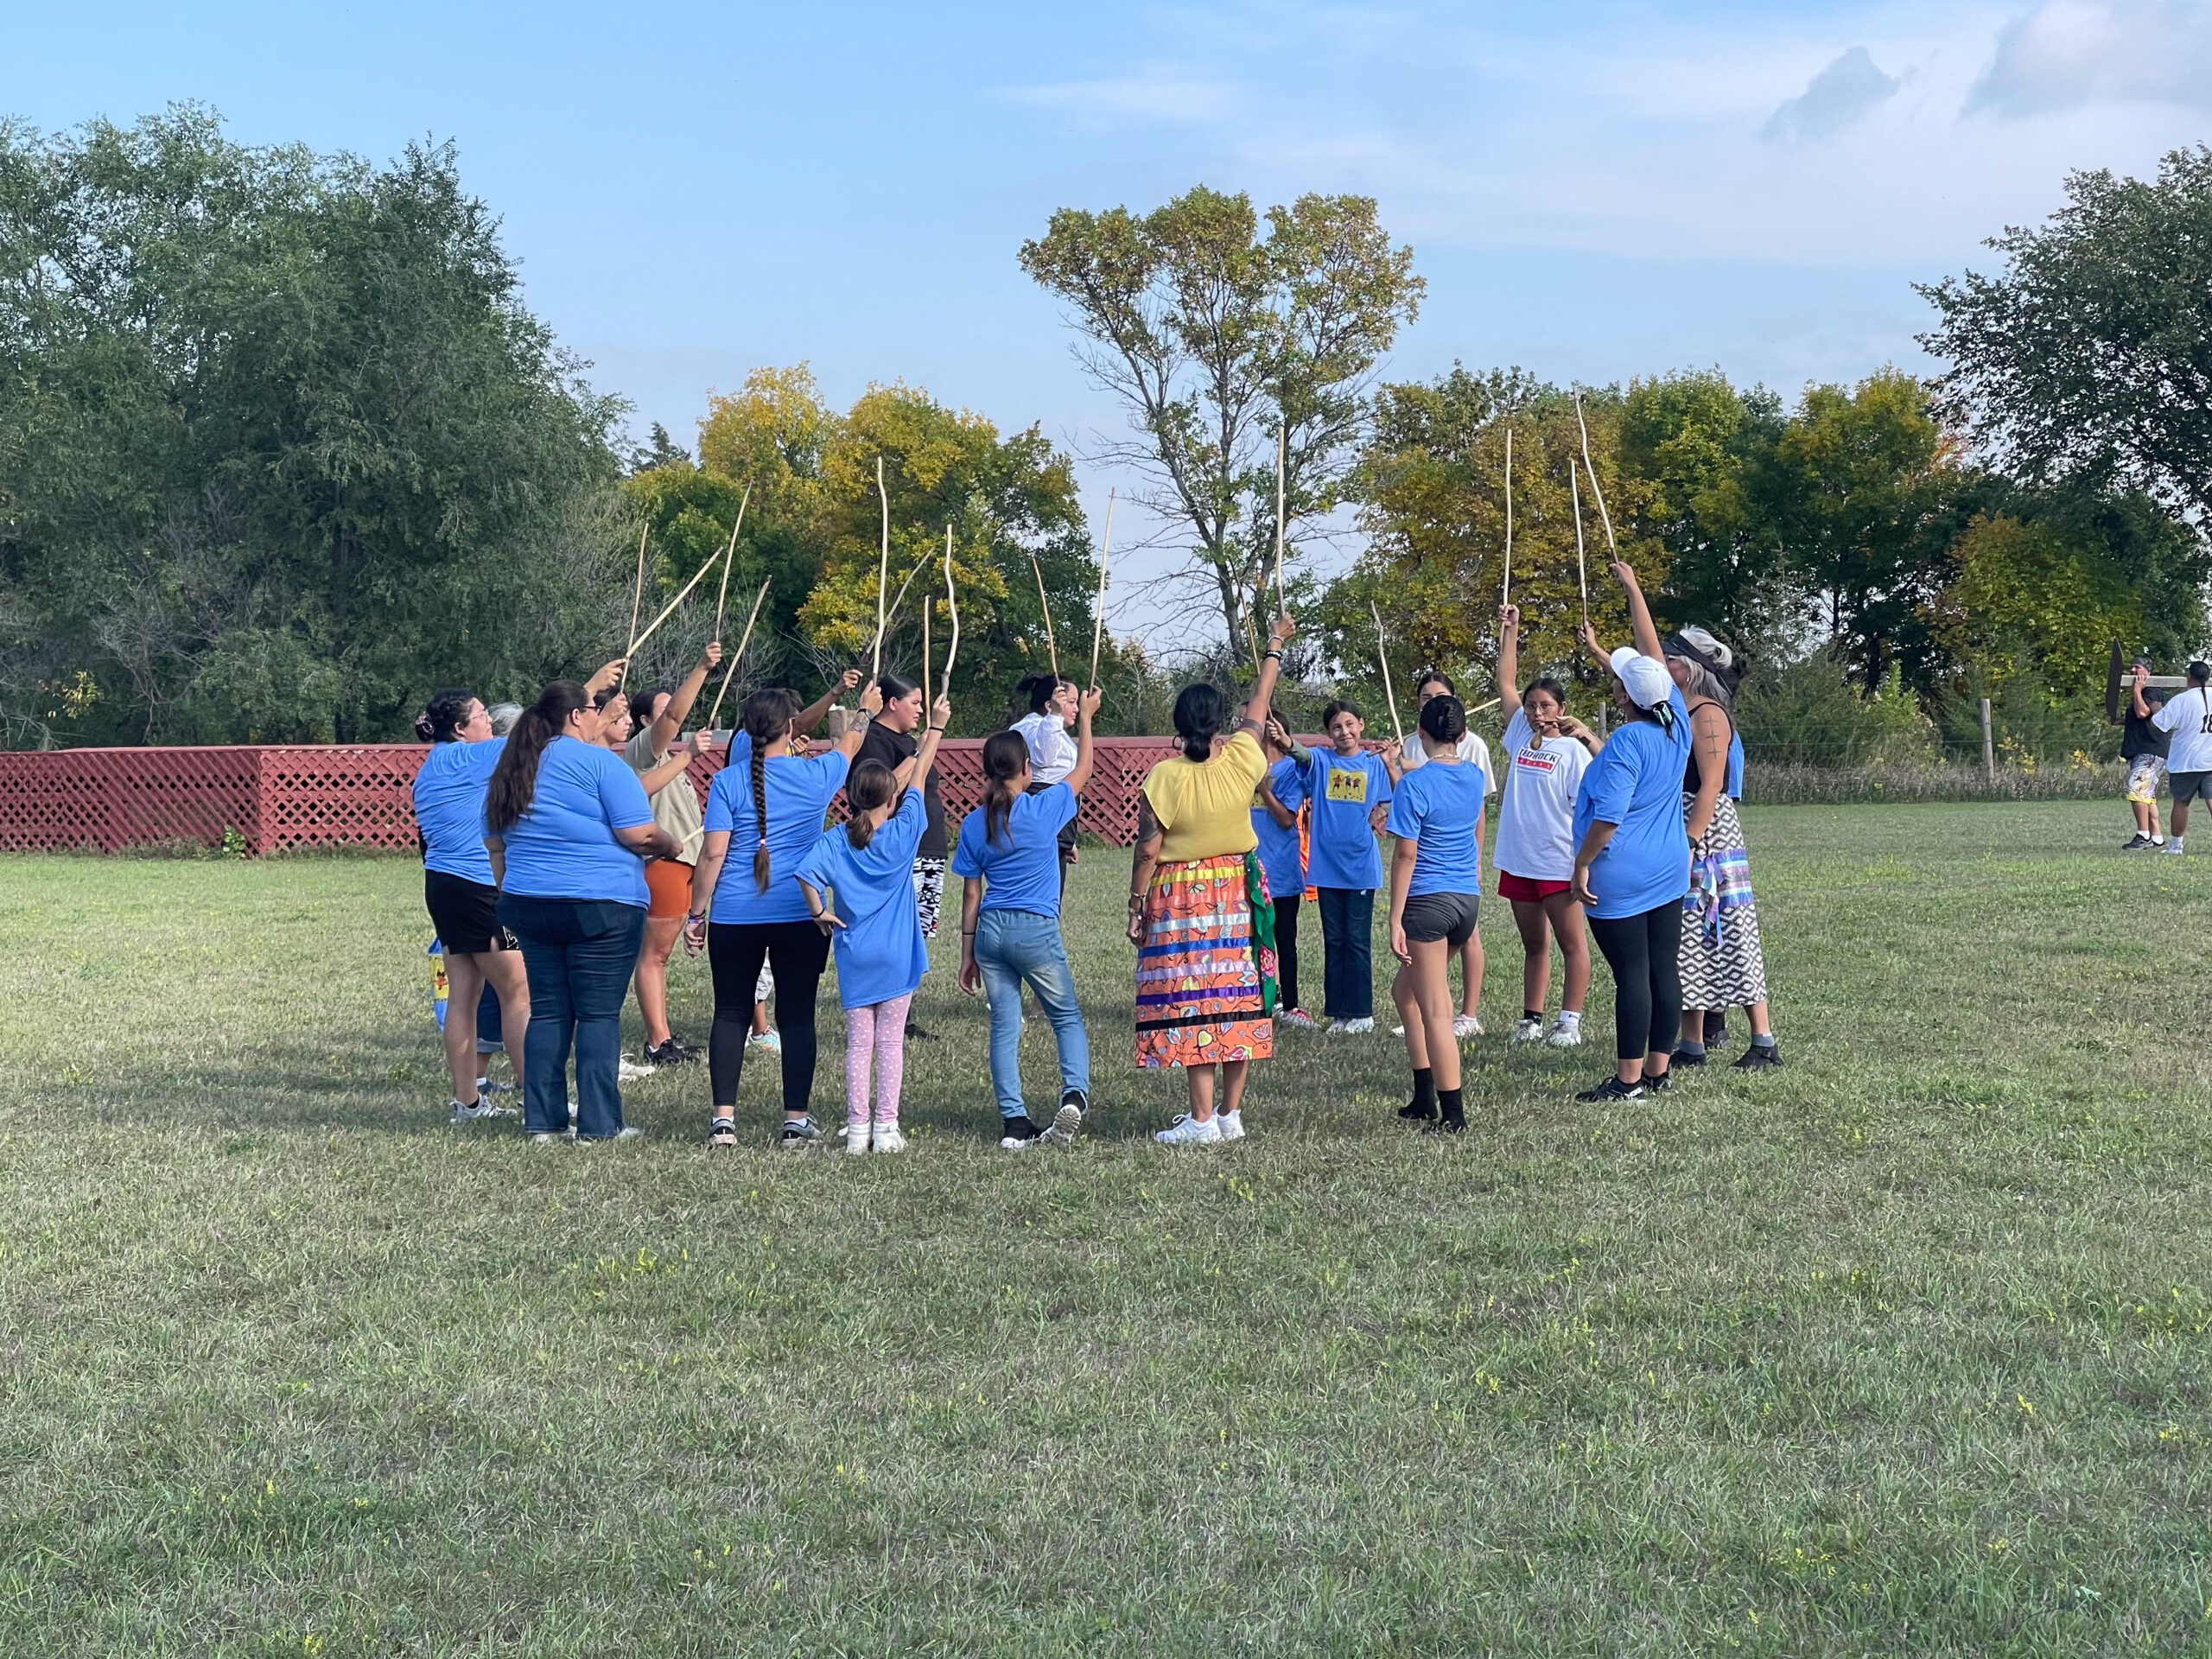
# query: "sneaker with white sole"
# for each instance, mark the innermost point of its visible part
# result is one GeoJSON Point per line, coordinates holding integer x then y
{"type": "Point", "coordinates": [627, 1132]}
{"type": "Point", "coordinates": [630, 1070]}
{"type": "Point", "coordinates": [856, 1139]}
{"type": "Point", "coordinates": [887, 1138]}
{"type": "Point", "coordinates": [2172, 849]}
{"type": "Point", "coordinates": [1067, 1122]}
{"type": "Point", "coordinates": [1017, 1134]}
{"type": "Point", "coordinates": [1298, 1019]}
{"type": "Point", "coordinates": [1232, 1124]}
{"type": "Point", "coordinates": [799, 1133]}
{"type": "Point", "coordinates": [1564, 1035]}
{"type": "Point", "coordinates": [768, 1042]}
{"type": "Point", "coordinates": [476, 1113]}
{"type": "Point", "coordinates": [1466, 1024]}
{"type": "Point", "coordinates": [1526, 1030]}
{"type": "Point", "coordinates": [1187, 1131]}
{"type": "Point", "coordinates": [1350, 1027]}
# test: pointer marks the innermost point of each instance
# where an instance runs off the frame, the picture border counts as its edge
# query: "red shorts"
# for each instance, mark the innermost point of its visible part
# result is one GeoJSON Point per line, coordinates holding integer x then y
{"type": "Point", "coordinates": [668, 884]}
{"type": "Point", "coordinates": [1511, 886]}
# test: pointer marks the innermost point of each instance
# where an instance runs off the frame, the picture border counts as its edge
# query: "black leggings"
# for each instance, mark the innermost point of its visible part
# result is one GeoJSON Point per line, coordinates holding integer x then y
{"type": "Point", "coordinates": [1286, 948]}
{"type": "Point", "coordinates": [1643, 953]}
{"type": "Point", "coordinates": [797, 952]}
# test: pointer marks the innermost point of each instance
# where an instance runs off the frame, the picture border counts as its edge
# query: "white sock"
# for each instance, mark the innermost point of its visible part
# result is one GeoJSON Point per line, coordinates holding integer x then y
{"type": "Point", "coordinates": [2175, 843]}
{"type": "Point", "coordinates": [1569, 1019]}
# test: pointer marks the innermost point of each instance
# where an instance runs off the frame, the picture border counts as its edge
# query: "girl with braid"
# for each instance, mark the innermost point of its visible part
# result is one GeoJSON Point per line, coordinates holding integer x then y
{"type": "Point", "coordinates": [772, 802]}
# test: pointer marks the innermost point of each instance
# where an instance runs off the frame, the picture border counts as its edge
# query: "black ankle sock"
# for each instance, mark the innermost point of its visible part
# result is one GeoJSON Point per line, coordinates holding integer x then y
{"type": "Point", "coordinates": [1423, 1103]}
{"type": "Point", "coordinates": [1536, 1014]}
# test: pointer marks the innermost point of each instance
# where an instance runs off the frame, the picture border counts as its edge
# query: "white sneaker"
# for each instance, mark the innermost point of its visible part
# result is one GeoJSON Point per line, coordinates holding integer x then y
{"type": "Point", "coordinates": [1526, 1030]}
{"type": "Point", "coordinates": [1187, 1131]}
{"type": "Point", "coordinates": [2172, 848]}
{"type": "Point", "coordinates": [1397, 1031]}
{"type": "Point", "coordinates": [856, 1139]}
{"type": "Point", "coordinates": [476, 1113]}
{"type": "Point", "coordinates": [629, 1070]}
{"type": "Point", "coordinates": [1466, 1024]}
{"type": "Point", "coordinates": [1350, 1027]}
{"type": "Point", "coordinates": [768, 1042]}
{"type": "Point", "coordinates": [627, 1132]}
{"type": "Point", "coordinates": [1232, 1124]}
{"type": "Point", "coordinates": [887, 1138]}
{"type": "Point", "coordinates": [1564, 1035]}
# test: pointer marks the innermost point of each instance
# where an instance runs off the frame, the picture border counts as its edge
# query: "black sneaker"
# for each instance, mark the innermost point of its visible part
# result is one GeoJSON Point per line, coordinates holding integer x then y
{"type": "Point", "coordinates": [915, 1033]}
{"type": "Point", "coordinates": [1758, 1057]}
{"type": "Point", "coordinates": [1686, 1057]}
{"type": "Point", "coordinates": [671, 1052]}
{"type": "Point", "coordinates": [1019, 1132]}
{"type": "Point", "coordinates": [1662, 1084]}
{"type": "Point", "coordinates": [800, 1133]}
{"type": "Point", "coordinates": [2136, 845]}
{"type": "Point", "coordinates": [1613, 1089]}
{"type": "Point", "coordinates": [1069, 1119]}
{"type": "Point", "coordinates": [1413, 1113]}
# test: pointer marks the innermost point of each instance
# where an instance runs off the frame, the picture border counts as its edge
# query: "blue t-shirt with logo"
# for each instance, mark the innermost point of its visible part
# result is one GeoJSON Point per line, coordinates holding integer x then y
{"type": "Point", "coordinates": [800, 789]}
{"type": "Point", "coordinates": [1344, 789]}
{"type": "Point", "coordinates": [1021, 867]}
{"type": "Point", "coordinates": [449, 807]}
{"type": "Point", "coordinates": [1439, 807]}
{"type": "Point", "coordinates": [880, 951]}
{"type": "Point", "coordinates": [1280, 853]}
{"type": "Point", "coordinates": [1635, 782]}
{"type": "Point", "coordinates": [564, 846]}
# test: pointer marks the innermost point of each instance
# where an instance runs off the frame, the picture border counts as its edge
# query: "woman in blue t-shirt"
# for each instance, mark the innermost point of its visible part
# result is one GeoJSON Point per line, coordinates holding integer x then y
{"type": "Point", "coordinates": [1351, 791]}
{"type": "Point", "coordinates": [1436, 896]}
{"type": "Point", "coordinates": [567, 824]}
{"type": "Point", "coordinates": [858, 885]}
{"type": "Point", "coordinates": [773, 800]}
{"type": "Point", "coordinates": [1632, 857]}
{"type": "Point", "coordinates": [1009, 861]}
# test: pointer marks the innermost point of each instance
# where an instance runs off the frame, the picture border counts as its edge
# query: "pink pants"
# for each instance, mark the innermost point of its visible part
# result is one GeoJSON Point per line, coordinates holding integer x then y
{"type": "Point", "coordinates": [878, 1032]}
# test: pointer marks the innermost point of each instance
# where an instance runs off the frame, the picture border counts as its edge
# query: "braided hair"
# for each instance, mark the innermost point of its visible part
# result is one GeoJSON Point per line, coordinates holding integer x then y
{"type": "Point", "coordinates": [766, 718]}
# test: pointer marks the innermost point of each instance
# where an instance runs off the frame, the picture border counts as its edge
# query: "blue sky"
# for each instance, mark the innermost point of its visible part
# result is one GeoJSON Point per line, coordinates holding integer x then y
{"type": "Point", "coordinates": [1593, 191]}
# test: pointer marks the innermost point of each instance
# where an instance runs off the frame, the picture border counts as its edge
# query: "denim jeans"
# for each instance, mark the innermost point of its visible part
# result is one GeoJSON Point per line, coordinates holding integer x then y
{"type": "Point", "coordinates": [1016, 948]}
{"type": "Point", "coordinates": [1348, 952]}
{"type": "Point", "coordinates": [579, 954]}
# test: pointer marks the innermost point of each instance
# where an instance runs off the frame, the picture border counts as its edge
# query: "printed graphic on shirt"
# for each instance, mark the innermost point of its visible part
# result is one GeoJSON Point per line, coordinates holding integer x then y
{"type": "Point", "coordinates": [1346, 785]}
{"type": "Point", "coordinates": [1537, 760]}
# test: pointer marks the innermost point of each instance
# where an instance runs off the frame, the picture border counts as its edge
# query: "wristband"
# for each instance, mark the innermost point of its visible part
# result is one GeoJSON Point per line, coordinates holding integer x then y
{"type": "Point", "coordinates": [938, 730]}
{"type": "Point", "coordinates": [1273, 655]}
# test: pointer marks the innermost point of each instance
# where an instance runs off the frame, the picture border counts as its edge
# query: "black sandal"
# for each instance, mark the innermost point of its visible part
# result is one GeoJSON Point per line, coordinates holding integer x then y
{"type": "Point", "coordinates": [722, 1132]}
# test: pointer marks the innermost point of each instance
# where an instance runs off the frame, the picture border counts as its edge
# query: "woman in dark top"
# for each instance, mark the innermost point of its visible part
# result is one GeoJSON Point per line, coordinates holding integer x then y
{"type": "Point", "coordinates": [891, 740]}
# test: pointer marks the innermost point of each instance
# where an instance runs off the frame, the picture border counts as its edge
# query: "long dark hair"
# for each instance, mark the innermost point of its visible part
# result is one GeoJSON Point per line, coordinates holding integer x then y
{"type": "Point", "coordinates": [1005, 755]}
{"type": "Point", "coordinates": [1198, 712]}
{"type": "Point", "coordinates": [447, 713]}
{"type": "Point", "coordinates": [1039, 690]}
{"type": "Point", "coordinates": [872, 785]}
{"type": "Point", "coordinates": [765, 718]}
{"type": "Point", "coordinates": [895, 686]}
{"type": "Point", "coordinates": [514, 781]}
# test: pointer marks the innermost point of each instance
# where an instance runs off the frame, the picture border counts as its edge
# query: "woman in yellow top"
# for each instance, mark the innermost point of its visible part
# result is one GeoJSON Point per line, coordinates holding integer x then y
{"type": "Point", "coordinates": [1199, 911]}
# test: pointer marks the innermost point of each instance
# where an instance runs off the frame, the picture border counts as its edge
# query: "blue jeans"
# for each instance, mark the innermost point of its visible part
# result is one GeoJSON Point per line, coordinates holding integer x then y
{"type": "Point", "coordinates": [579, 954]}
{"type": "Point", "coordinates": [1016, 948]}
{"type": "Point", "coordinates": [1348, 952]}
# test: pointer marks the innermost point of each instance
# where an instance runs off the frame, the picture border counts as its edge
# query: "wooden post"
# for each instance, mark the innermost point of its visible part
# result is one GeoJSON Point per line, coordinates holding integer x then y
{"type": "Point", "coordinates": [1988, 745]}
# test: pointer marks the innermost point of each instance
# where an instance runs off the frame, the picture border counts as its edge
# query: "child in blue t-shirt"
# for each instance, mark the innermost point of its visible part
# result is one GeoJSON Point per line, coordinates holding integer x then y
{"type": "Point", "coordinates": [867, 864]}
{"type": "Point", "coordinates": [1275, 805]}
{"type": "Point", "coordinates": [1351, 792]}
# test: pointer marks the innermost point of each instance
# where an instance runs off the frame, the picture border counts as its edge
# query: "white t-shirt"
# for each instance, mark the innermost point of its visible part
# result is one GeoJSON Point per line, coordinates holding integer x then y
{"type": "Point", "coordinates": [1472, 750]}
{"type": "Point", "coordinates": [1535, 823]}
{"type": "Point", "coordinates": [1051, 749]}
{"type": "Point", "coordinates": [2188, 715]}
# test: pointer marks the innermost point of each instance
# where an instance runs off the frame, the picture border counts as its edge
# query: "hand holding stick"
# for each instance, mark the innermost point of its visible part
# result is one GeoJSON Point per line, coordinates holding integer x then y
{"type": "Point", "coordinates": [1383, 656]}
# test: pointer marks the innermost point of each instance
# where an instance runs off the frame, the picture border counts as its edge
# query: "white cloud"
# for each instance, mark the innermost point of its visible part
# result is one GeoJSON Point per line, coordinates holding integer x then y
{"type": "Point", "coordinates": [1843, 92]}
{"type": "Point", "coordinates": [2066, 53]}
{"type": "Point", "coordinates": [1159, 92]}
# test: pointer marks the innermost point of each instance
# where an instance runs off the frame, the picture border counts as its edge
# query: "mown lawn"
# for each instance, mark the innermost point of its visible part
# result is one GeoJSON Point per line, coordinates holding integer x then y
{"type": "Point", "coordinates": [1905, 1348]}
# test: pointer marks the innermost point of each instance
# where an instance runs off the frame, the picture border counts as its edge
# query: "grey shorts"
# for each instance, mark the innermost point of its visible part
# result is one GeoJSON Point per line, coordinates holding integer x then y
{"type": "Point", "coordinates": [2190, 786]}
{"type": "Point", "coordinates": [1447, 915]}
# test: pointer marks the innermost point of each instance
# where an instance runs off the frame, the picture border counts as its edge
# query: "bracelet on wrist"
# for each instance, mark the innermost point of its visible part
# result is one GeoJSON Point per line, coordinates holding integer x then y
{"type": "Point", "coordinates": [940, 729]}
{"type": "Point", "coordinates": [1275, 656]}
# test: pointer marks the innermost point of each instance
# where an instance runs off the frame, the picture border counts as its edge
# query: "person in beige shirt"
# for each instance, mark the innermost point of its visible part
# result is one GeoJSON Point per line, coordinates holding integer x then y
{"type": "Point", "coordinates": [661, 762]}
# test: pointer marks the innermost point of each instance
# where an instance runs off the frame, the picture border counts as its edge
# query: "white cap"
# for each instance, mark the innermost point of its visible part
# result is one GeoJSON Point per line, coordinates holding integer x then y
{"type": "Point", "coordinates": [1646, 679]}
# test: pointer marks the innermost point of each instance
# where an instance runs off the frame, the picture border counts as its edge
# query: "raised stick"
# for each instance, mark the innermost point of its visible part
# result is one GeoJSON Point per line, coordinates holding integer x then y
{"type": "Point", "coordinates": [1581, 570]}
{"type": "Point", "coordinates": [1507, 597]}
{"type": "Point", "coordinates": [952, 603]}
{"type": "Point", "coordinates": [637, 604]}
{"type": "Point", "coordinates": [1383, 656]}
{"type": "Point", "coordinates": [1594, 488]}
{"type": "Point", "coordinates": [729, 556]}
{"type": "Point", "coordinates": [736, 661]}
{"type": "Point", "coordinates": [1098, 620]}
{"type": "Point", "coordinates": [926, 699]}
{"type": "Point", "coordinates": [900, 598]}
{"type": "Point", "coordinates": [882, 566]}
{"type": "Point", "coordinates": [682, 595]}
{"type": "Point", "coordinates": [1051, 646]}
{"type": "Point", "coordinates": [1283, 464]}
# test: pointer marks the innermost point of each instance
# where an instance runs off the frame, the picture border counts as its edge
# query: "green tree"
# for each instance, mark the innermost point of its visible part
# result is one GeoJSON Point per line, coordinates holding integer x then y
{"type": "Point", "coordinates": [1214, 339]}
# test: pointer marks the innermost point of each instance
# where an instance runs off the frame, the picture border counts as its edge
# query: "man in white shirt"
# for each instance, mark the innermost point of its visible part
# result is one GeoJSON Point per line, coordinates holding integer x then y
{"type": "Point", "coordinates": [2187, 716]}
{"type": "Point", "coordinates": [1475, 753]}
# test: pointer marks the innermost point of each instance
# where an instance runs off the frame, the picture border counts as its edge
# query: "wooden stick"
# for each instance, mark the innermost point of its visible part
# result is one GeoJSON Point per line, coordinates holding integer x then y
{"type": "Point", "coordinates": [1051, 646]}
{"type": "Point", "coordinates": [1098, 619]}
{"type": "Point", "coordinates": [637, 603]}
{"type": "Point", "coordinates": [1594, 488]}
{"type": "Point", "coordinates": [1581, 570]}
{"type": "Point", "coordinates": [1252, 644]}
{"type": "Point", "coordinates": [926, 609]}
{"type": "Point", "coordinates": [882, 566]}
{"type": "Point", "coordinates": [900, 598]}
{"type": "Point", "coordinates": [1507, 597]}
{"type": "Point", "coordinates": [1283, 464]}
{"type": "Point", "coordinates": [1383, 656]}
{"type": "Point", "coordinates": [737, 660]}
{"type": "Point", "coordinates": [729, 556]}
{"type": "Point", "coordinates": [681, 594]}
{"type": "Point", "coordinates": [952, 602]}
{"type": "Point", "coordinates": [1480, 706]}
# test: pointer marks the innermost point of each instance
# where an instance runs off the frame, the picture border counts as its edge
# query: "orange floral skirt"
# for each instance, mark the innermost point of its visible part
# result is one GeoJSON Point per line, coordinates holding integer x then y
{"type": "Point", "coordinates": [1200, 998]}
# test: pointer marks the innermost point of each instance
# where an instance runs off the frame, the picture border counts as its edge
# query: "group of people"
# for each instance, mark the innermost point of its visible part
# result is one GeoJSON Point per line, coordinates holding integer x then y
{"type": "Point", "coordinates": [2166, 739]}
{"type": "Point", "coordinates": [564, 860]}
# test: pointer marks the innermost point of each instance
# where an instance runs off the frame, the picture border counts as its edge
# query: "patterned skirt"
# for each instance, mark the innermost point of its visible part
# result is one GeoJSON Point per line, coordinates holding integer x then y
{"type": "Point", "coordinates": [1205, 972]}
{"type": "Point", "coordinates": [1722, 964]}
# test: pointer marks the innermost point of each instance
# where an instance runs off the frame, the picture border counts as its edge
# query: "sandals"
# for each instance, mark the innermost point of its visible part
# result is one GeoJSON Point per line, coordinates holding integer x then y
{"type": "Point", "coordinates": [722, 1132]}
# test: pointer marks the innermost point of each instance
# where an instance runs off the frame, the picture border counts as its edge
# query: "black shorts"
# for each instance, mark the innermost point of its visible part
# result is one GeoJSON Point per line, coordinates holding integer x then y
{"type": "Point", "coordinates": [465, 912]}
{"type": "Point", "coordinates": [1447, 915]}
{"type": "Point", "coordinates": [2190, 786]}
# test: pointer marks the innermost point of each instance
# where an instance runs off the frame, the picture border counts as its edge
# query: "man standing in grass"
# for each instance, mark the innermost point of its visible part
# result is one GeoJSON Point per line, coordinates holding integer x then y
{"type": "Point", "coordinates": [2188, 717]}
{"type": "Point", "coordinates": [2143, 746]}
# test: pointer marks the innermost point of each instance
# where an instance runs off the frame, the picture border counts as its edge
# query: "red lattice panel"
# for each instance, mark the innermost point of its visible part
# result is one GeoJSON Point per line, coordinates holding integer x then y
{"type": "Point", "coordinates": [353, 797]}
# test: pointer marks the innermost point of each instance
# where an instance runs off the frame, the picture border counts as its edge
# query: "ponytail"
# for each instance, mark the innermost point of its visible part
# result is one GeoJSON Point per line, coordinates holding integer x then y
{"type": "Point", "coordinates": [447, 713]}
{"type": "Point", "coordinates": [1039, 690]}
{"type": "Point", "coordinates": [765, 718]}
{"type": "Point", "coordinates": [872, 785]}
{"type": "Point", "coordinates": [1199, 713]}
{"type": "Point", "coordinates": [514, 781]}
{"type": "Point", "coordinates": [1005, 755]}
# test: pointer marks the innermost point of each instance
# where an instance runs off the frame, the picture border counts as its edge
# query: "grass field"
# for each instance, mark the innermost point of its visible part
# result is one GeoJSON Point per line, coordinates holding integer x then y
{"type": "Point", "coordinates": [1904, 1348]}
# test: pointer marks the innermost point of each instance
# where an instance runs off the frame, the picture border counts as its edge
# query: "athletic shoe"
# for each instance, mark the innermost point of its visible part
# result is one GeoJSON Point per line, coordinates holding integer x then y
{"type": "Point", "coordinates": [1687, 1057]}
{"type": "Point", "coordinates": [916, 1034]}
{"type": "Point", "coordinates": [627, 1132]}
{"type": "Point", "coordinates": [547, 1137]}
{"type": "Point", "coordinates": [1466, 1024]}
{"type": "Point", "coordinates": [1019, 1134]}
{"type": "Point", "coordinates": [1232, 1124]}
{"type": "Point", "coordinates": [1299, 1018]}
{"type": "Point", "coordinates": [629, 1070]}
{"type": "Point", "coordinates": [721, 1132]}
{"type": "Point", "coordinates": [800, 1133]}
{"type": "Point", "coordinates": [856, 1136]}
{"type": "Point", "coordinates": [2140, 841]}
{"type": "Point", "coordinates": [1564, 1035]}
{"type": "Point", "coordinates": [1526, 1030]}
{"type": "Point", "coordinates": [1397, 1031]}
{"type": "Point", "coordinates": [1612, 1089]}
{"type": "Point", "coordinates": [1415, 1114]}
{"type": "Point", "coordinates": [1187, 1131]}
{"type": "Point", "coordinates": [1758, 1057]}
{"type": "Point", "coordinates": [1354, 1028]}
{"type": "Point", "coordinates": [1069, 1119]}
{"type": "Point", "coordinates": [1662, 1084]}
{"type": "Point", "coordinates": [887, 1138]}
{"type": "Point", "coordinates": [476, 1113]}
{"type": "Point", "coordinates": [2172, 849]}
{"type": "Point", "coordinates": [671, 1052]}
{"type": "Point", "coordinates": [768, 1042]}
